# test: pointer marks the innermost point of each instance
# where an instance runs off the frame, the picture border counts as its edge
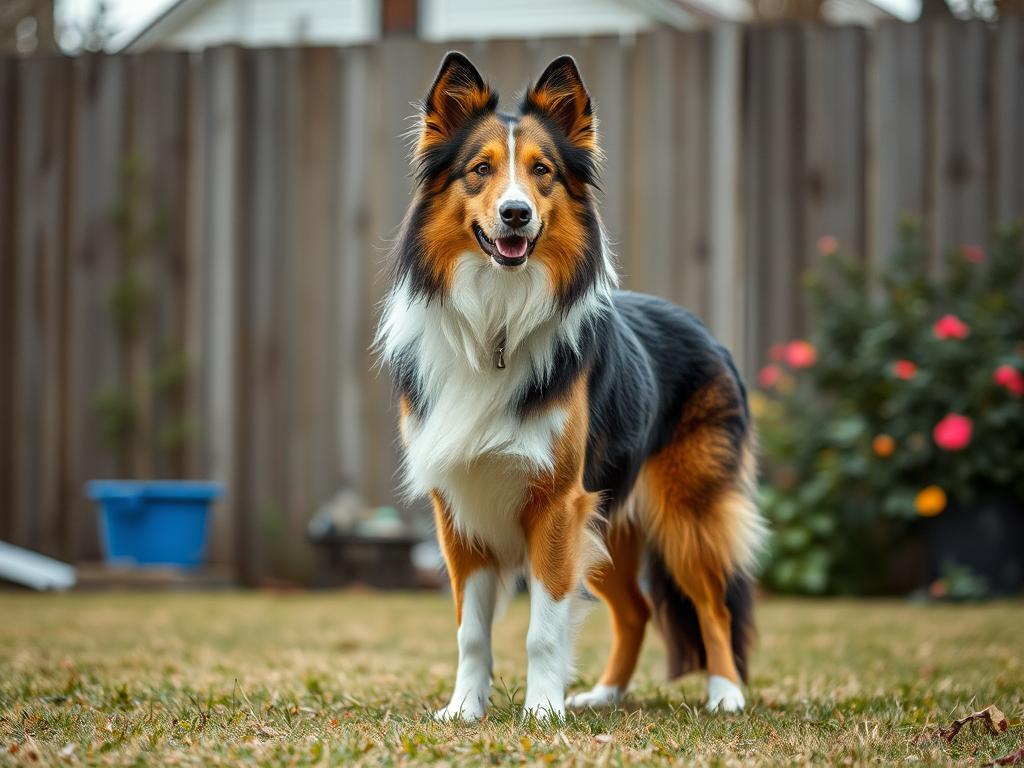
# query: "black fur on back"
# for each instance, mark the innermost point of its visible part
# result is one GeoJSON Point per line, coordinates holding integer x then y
{"type": "Point", "coordinates": [676, 619]}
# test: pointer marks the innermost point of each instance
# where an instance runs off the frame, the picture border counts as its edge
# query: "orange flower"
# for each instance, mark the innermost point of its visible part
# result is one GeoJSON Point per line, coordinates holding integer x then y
{"type": "Point", "coordinates": [930, 501]}
{"type": "Point", "coordinates": [883, 446]}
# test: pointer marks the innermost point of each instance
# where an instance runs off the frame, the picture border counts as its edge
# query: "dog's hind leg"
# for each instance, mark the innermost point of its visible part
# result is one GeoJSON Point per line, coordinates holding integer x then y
{"type": "Point", "coordinates": [705, 529]}
{"type": "Point", "coordinates": [615, 582]}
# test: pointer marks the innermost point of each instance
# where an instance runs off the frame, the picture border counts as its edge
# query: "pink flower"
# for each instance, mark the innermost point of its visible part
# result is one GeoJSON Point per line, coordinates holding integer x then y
{"type": "Point", "coordinates": [904, 369]}
{"type": "Point", "coordinates": [974, 253]}
{"type": "Point", "coordinates": [953, 433]}
{"type": "Point", "coordinates": [778, 352]}
{"type": "Point", "coordinates": [950, 327]}
{"type": "Point", "coordinates": [768, 375]}
{"type": "Point", "coordinates": [827, 245]}
{"type": "Point", "coordinates": [1009, 378]}
{"type": "Point", "coordinates": [800, 354]}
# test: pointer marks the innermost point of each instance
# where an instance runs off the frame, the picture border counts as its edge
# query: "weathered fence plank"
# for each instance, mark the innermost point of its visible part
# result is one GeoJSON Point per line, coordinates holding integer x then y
{"type": "Point", "coordinates": [835, 130]}
{"type": "Point", "coordinates": [775, 136]}
{"type": "Point", "coordinates": [691, 193]}
{"type": "Point", "coordinates": [97, 364]}
{"type": "Point", "coordinates": [262, 453]}
{"type": "Point", "coordinates": [962, 116]}
{"type": "Point", "coordinates": [157, 164]}
{"type": "Point", "coordinates": [901, 137]}
{"type": "Point", "coordinates": [40, 267]}
{"type": "Point", "coordinates": [8, 192]}
{"type": "Point", "coordinates": [221, 390]}
{"type": "Point", "coordinates": [354, 265]}
{"type": "Point", "coordinates": [1008, 148]}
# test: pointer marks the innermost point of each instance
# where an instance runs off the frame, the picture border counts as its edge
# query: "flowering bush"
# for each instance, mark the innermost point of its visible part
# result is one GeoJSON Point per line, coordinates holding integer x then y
{"type": "Point", "coordinates": [909, 394]}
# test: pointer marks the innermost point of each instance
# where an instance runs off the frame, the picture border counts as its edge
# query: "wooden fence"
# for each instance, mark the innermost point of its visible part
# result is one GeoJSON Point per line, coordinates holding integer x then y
{"type": "Point", "coordinates": [275, 178]}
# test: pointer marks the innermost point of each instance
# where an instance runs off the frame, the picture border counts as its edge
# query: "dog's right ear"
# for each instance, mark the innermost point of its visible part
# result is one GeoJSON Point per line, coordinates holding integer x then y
{"type": "Point", "coordinates": [458, 93]}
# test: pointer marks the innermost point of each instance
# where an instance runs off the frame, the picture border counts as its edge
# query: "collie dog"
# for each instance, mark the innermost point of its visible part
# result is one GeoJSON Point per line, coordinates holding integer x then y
{"type": "Point", "coordinates": [560, 425]}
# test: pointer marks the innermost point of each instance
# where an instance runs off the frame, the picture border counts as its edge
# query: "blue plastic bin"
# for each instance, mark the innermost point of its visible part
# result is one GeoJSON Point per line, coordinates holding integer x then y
{"type": "Point", "coordinates": [154, 522]}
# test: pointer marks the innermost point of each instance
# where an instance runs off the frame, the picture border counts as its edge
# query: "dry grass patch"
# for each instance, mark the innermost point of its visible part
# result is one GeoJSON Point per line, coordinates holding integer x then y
{"type": "Point", "coordinates": [351, 679]}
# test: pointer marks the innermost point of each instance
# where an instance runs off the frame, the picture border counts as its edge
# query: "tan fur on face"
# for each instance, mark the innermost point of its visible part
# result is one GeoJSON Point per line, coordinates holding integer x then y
{"type": "Point", "coordinates": [467, 197]}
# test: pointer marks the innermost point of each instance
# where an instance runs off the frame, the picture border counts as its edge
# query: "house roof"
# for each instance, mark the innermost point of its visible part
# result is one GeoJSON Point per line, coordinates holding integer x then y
{"type": "Point", "coordinates": [677, 13]}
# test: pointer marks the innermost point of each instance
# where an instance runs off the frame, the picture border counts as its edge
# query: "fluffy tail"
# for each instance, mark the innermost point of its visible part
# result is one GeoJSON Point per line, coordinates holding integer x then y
{"type": "Point", "coordinates": [676, 618]}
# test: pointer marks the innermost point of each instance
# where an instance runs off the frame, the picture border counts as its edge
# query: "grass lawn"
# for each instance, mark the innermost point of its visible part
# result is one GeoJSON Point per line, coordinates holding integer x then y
{"type": "Point", "coordinates": [352, 677]}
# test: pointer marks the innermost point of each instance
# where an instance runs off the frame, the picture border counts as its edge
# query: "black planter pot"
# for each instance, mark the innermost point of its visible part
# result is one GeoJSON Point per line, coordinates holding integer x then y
{"type": "Point", "coordinates": [987, 537]}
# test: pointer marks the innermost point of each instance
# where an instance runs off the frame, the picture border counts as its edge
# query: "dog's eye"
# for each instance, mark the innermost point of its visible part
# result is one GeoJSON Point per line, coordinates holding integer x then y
{"type": "Point", "coordinates": [482, 169]}
{"type": "Point", "coordinates": [540, 169]}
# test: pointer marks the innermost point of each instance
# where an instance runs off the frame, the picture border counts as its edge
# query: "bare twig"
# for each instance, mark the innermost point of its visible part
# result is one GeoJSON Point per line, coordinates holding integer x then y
{"type": "Point", "coordinates": [990, 715]}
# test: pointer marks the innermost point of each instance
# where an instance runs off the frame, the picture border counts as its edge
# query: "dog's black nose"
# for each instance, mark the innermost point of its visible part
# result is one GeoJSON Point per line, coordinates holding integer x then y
{"type": "Point", "coordinates": [515, 213]}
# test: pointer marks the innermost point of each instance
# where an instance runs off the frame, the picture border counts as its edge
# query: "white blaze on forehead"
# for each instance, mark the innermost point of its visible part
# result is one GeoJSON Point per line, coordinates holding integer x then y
{"type": "Point", "coordinates": [513, 191]}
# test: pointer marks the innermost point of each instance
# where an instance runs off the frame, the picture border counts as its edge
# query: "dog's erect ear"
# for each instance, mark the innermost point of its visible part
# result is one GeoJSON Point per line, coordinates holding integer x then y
{"type": "Point", "coordinates": [561, 95]}
{"type": "Point", "coordinates": [458, 93]}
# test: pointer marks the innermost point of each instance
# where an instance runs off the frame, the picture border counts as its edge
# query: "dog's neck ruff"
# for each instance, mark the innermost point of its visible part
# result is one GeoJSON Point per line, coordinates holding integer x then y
{"type": "Point", "coordinates": [463, 361]}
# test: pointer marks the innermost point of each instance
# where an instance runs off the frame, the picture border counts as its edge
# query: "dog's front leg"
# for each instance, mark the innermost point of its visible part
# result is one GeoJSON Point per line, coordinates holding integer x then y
{"type": "Point", "coordinates": [474, 582]}
{"type": "Point", "coordinates": [473, 678]}
{"type": "Point", "coordinates": [555, 534]}
{"type": "Point", "coordinates": [548, 651]}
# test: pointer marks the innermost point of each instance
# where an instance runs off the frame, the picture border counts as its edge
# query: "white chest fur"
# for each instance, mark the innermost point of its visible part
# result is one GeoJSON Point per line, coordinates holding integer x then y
{"type": "Point", "coordinates": [470, 443]}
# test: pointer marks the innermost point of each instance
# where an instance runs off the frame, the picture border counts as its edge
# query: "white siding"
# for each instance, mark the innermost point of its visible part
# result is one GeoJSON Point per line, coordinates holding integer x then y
{"type": "Point", "coordinates": [482, 19]}
{"type": "Point", "coordinates": [273, 22]}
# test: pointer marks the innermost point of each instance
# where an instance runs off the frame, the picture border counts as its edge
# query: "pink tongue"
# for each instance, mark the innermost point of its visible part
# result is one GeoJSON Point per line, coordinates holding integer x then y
{"type": "Point", "coordinates": [511, 247]}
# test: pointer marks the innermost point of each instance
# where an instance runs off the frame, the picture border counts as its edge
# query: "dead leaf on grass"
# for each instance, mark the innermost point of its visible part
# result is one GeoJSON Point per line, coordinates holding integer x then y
{"type": "Point", "coordinates": [990, 715]}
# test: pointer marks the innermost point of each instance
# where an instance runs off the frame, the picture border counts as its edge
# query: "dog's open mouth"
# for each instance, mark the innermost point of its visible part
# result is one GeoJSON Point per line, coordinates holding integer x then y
{"type": "Point", "coordinates": [508, 251]}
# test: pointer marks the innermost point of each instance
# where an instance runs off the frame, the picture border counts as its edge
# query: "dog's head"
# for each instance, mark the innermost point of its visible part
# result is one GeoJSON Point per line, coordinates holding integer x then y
{"type": "Point", "coordinates": [507, 188]}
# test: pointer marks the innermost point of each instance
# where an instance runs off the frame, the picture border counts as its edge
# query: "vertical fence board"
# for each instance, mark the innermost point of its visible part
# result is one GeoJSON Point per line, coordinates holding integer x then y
{"type": "Point", "coordinates": [221, 393]}
{"type": "Point", "coordinates": [354, 262]}
{"type": "Point", "coordinates": [158, 163]}
{"type": "Point", "coordinates": [322, 192]}
{"type": "Point", "coordinates": [774, 138]}
{"type": "Point", "coordinates": [691, 194]}
{"type": "Point", "coordinates": [194, 218]}
{"type": "Point", "coordinates": [605, 70]}
{"type": "Point", "coordinates": [263, 295]}
{"type": "Point", "coordinates": [728, 283]}
{"type": "Point", "coordinates": [96, 359]}
{"type": "Point", "coordinates": [1008, 148]}
{"type": "Point", "coordinates": [634, 239]}
{"type": "Point", "coordinates": [834, 162]}
{"type": "Point", "coordinates": [40, 253]}
{"type": "Point", "coordinates": [8, 193]}
{"type": "Point", "coordinates": [961, 119]}
{"type": "Point", "coordinates": [902, 139]}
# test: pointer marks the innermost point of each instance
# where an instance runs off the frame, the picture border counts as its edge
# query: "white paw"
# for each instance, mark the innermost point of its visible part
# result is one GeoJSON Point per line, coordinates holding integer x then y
{"type": "Point", "coordinates": [724, 695]}
{"type": "Point", "coordinates": [597, 697]}
{"type": "Point", "coordinates": [464, 712]}
{"type": "Point", "coordinates": [544, 710]}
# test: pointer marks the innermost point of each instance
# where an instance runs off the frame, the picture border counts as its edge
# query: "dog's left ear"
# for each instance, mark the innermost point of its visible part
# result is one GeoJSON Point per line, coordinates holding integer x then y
{"type": "Point", "coordinates": [560, 95]}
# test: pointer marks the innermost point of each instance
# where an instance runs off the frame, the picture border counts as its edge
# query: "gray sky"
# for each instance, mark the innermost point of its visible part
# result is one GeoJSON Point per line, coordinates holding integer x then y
{"type": "Point", "coordinates": [128, 16]}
